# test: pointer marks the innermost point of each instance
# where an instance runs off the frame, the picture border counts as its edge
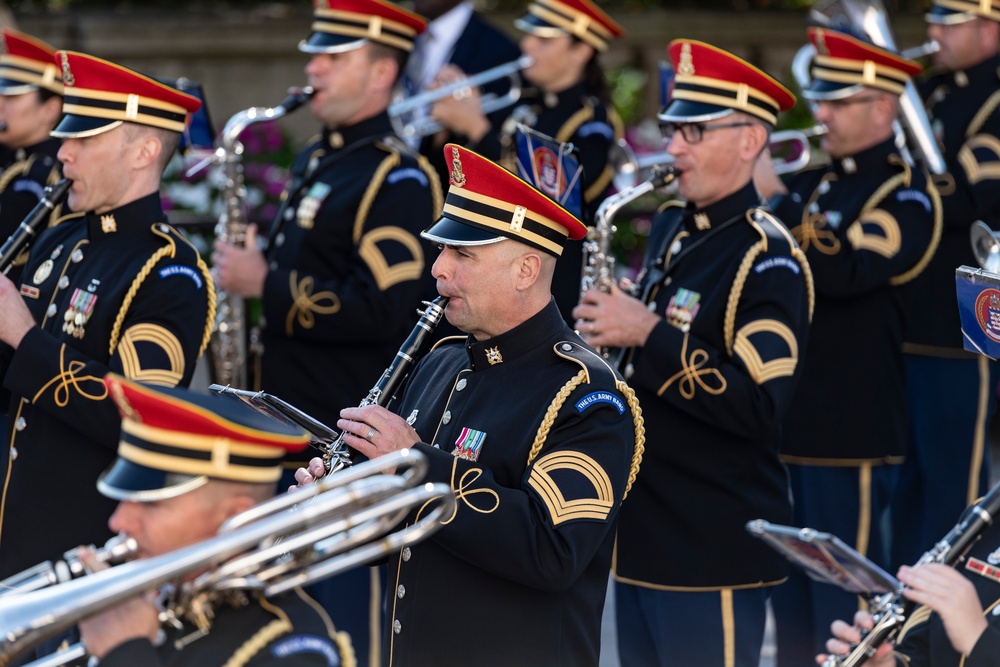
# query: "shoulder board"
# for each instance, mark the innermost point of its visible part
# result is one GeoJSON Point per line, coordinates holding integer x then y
{"type": "Point", "coordinates": [449, 340]}
{"type": "Point", "coordinates": [64, 218]}
{"type": "Point", "coordinates": [772, 231]}
{"type": "Point", "coordinates": [673, 203]}
{"type": "Point", "coordinates": [598, 370]}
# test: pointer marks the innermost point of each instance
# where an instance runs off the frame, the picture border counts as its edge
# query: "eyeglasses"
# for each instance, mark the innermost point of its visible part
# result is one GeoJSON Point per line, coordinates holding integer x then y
{"type": "Point", "coordinates": [693, 133]}
{"type": "Point", "coordinates": [846, 102]}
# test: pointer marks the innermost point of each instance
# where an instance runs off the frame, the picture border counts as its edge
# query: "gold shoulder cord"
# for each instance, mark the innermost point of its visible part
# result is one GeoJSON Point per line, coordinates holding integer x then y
{"type": "Point", "coordinates": [560, 399]}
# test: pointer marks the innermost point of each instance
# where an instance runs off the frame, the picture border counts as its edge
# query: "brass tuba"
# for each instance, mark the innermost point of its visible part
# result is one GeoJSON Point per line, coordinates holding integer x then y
{"type": "Point", "coordinates": [350, 519]}
{"type": "Point", "coordinates": [228, 342]}
{"type": "Point", "coordinates": [914, 137]}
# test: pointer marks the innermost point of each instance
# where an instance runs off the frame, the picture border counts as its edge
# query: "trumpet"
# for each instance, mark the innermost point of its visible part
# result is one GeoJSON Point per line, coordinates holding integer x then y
{"type": "Point", "coordinates": [280, 544]}
{"type": "Point", "coordinates": [408, 125]}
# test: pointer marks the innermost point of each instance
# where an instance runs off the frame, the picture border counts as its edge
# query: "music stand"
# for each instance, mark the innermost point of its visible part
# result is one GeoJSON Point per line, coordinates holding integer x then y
{"type": "Point", "coordinates": [280, 411]}
{"type": "Point", "coordinates": [825, 558]}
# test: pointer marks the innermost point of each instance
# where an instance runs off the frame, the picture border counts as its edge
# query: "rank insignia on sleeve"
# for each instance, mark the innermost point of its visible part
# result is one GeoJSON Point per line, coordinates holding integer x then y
{"type": "Point", "coordinates": [79, 312]}
{"type": "Point", "coordinates": [573, 486]}
{"type": "Point", "coordinates": [983, 569]}
{"type": "Point", "coordinates": [682, 308]}
{"type": "Point", "coordinates": [469, 444]}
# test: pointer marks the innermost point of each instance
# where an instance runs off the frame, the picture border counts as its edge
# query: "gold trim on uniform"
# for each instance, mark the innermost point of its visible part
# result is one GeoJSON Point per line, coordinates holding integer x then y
{"type": "Point", "coordinates": [974, 169]}
{"type": "Point", "coordinates": [187, 466]}
{"type": "Point", "coordinates": [462, 491]}
{"type": "Point", "coordinates": [691, 376]}
{"type": "Point", "coordinates": [387, 275]}
{"type": "Point", "coordinates": [560, 509]}
{"type": "Point", "coordinates": [763, 371]}
{"type": "Point", "coordinates": [66, 377]}
{"type": "Point", "coordinates": [306, 305]}
{"type": "Point", "coordinates": [886, 244]}
{"type": "Point", "coordinates": [165, 340]}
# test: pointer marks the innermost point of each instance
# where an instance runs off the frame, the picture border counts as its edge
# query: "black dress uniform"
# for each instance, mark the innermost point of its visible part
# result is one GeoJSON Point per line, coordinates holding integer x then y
{"type": "Point", "coordinates": [868, 227]}
{"type": "Point", "coordinates": [923, 641]}
{"type": "Point", "coordinates": [715, 377]}
{"type": "Point", "coordinates": [124, 292]}
{"type": "Point", "coordinates": [347, 267]}
{"type": "Point", "coordinates": [538, 460]}
{"type": "Point", "coordinates": [716, 374]}
{"type": "Point", "coordinates": [540, 440]}
{"type": "Point", "coordinates": [289, 629]}
{"type": "Point", "coordinates": [951, 392]}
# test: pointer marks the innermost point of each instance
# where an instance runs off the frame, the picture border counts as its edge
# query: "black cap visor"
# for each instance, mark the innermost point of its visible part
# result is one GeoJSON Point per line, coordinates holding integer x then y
{"type": "Point", "coordinates": [687, 111]}
{"type": "Point", "coordinates": [128, 481]}
{"type": "Point", "coordinates": [325, 42]}
{"type": "Point", "coordinates": [944, 16]}
{"type": "Point", "coordinates": [452, 232]}
{"type": "Point", "coordinates": [830, 90]}
{"type": "Point", "coordinates": [74, 126]}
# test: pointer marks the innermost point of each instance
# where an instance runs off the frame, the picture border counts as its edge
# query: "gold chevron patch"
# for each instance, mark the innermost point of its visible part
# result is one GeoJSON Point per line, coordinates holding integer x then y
{"type": "Point", "coordinates": [887, 243]}
{"type": "Point", "coordinates": [590, 481]}
{"type": "Point", "coordinates": [387, 275]}
{"type": "Point", "coordinates": [132, 359]}
{"type": "Point", "coordinates": [761, 371]}
{"type": "Point", "coordinates": [975, 169]}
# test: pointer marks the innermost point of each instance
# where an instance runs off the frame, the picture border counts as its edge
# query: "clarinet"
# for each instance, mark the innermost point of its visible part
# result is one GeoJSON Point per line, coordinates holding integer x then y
{"type": "Point", "coordinates": [35, 222]}
{"type": "Point", "coordinates": [336, 455]}
{"type": "Point", "coordinates": [889, 610]}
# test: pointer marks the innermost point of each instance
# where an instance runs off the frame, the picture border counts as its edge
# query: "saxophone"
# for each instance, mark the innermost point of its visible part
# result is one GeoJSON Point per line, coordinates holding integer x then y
{"type": "Point", "coordinates": [228, 342]}
{"type": "Point", "coordinates": [598, 259]}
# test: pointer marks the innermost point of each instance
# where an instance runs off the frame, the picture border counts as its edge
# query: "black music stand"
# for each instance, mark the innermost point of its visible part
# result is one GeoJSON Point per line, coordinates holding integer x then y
{"type": "Point", "coordinates": [280, 411]}
{"type": "Point", "coordinates": [825, 558]}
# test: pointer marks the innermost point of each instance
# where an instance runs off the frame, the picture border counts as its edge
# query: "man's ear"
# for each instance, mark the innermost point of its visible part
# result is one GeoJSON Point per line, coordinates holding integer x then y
{"type": "Point", "coordinates": [529, 269]}
{"type": "Point", "coordinates": [148, 150]}
{"type": "Point", "coordinates": [386, 72]}
{"type": "Point", "coordinates": [754, 141]}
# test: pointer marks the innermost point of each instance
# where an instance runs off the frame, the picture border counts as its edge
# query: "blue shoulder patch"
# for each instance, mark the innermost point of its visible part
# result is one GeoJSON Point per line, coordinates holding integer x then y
{"type": "Point", "coordinates": [28, 185]}
{"type": "Point", "coordinates": [181, 270]}
{"type": "Point", "coordinates": [298, 644]}
{"type": "Point", "coordinates": [776, 263]}
{"type": "Point", "coordinates": [914, 195]}
{"type": "Point", "coordinates": [596, 127]}
{"type": "Point", "coordinates": [403, 173]}
{"type": "Point", "coordinates": [597, 397]}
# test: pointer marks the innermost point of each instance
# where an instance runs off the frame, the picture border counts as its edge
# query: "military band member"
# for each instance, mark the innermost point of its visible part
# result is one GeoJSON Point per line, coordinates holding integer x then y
{"type": "Point", "coordinates": [186, 463]}
{"type": "Point", "coordinates": [954, 622]}
{"type": "Point", "coordinates": [111, 287]}
{"type": "Point", "coordinates": [538, 436]}
{"type": "Point", "coordinates": [717, 337]}
{"type": "Point", "coordinates": [868, 223]}
{"type": "Point", "coordinates": [30, 106]}
{"type": "Point", "coordinates": [345, 268]}
{"type": "Point", "coordinates": [951, 393]}
{"type": "Point", "coordinates": [570, 102]}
